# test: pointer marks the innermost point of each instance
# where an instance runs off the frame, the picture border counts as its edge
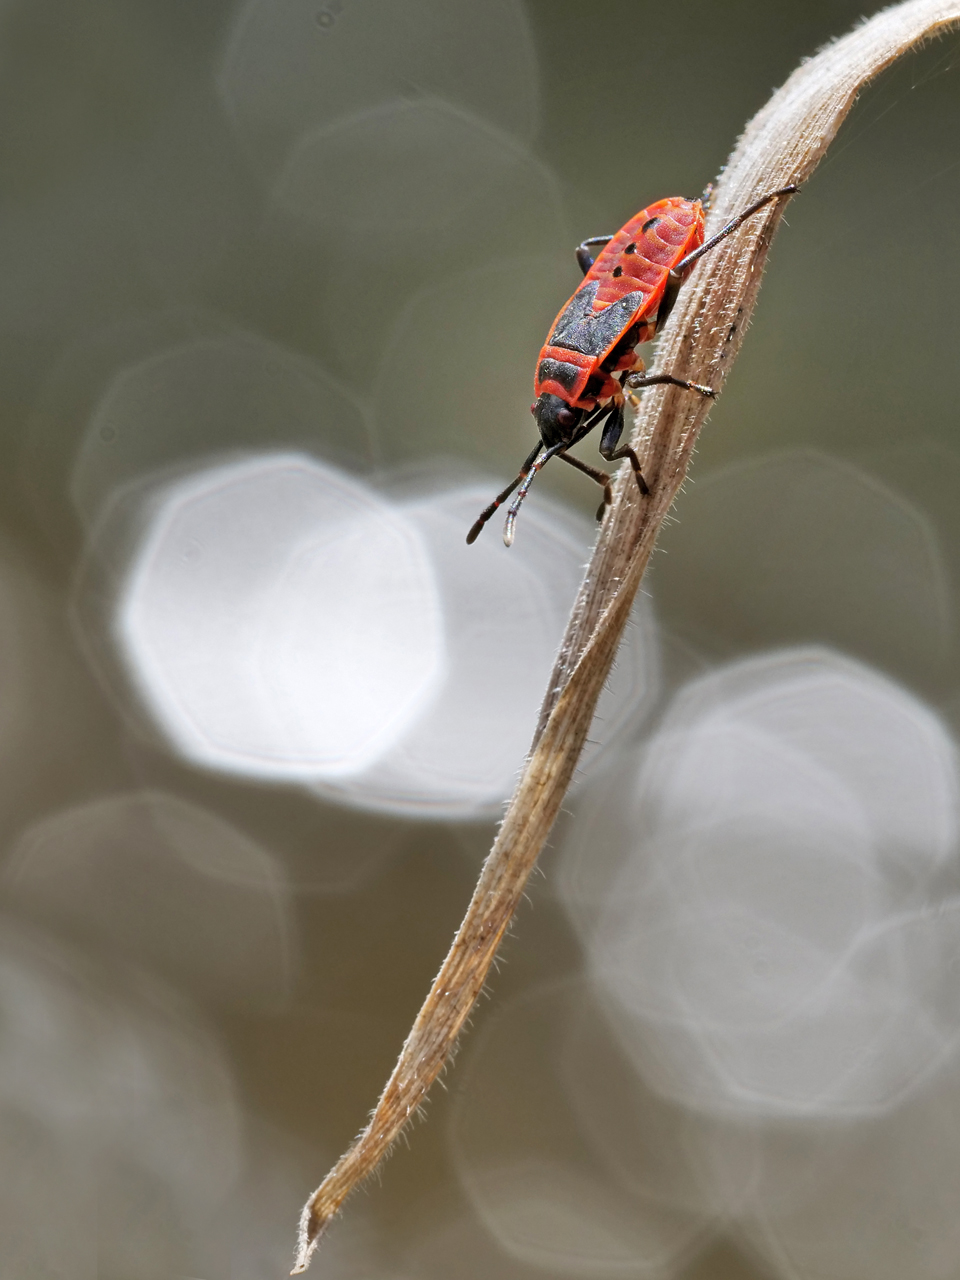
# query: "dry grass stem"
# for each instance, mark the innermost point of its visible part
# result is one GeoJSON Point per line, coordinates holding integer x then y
{"type": "Point", "coordinates": [782, 144]}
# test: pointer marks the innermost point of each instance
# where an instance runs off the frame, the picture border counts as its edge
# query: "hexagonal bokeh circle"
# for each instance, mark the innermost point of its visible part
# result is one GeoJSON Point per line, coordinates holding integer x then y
{"type": "Point", "coordinates": [280, 620]}
{"type": "Point", "coordinates": [766, 944]}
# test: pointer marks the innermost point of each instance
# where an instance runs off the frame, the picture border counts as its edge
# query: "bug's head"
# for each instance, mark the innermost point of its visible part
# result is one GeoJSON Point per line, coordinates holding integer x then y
{"type": "Point", "coordinates": [556, 420]}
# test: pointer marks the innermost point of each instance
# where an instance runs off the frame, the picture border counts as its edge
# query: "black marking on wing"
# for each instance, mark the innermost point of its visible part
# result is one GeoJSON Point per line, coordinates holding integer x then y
{"type": "Point", "coordinates": [579, 328]}
{"type": "Point", "coordinates": [559, 371]}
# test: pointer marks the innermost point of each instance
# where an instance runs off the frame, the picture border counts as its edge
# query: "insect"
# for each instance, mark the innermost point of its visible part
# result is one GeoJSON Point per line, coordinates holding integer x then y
{"type": "Point", "coordinates": [589, 367]}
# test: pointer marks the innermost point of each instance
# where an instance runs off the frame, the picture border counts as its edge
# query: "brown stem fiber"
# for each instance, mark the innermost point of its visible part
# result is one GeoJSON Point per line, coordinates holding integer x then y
{"type": "Point", "coordinates": [782, 144]}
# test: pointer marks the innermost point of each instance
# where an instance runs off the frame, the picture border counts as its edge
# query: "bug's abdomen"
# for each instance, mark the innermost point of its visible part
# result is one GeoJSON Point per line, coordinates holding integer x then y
{"type": "Point", "coordinates": [622, 288]}
{"type": "Point", "coordinates": [641, 255]}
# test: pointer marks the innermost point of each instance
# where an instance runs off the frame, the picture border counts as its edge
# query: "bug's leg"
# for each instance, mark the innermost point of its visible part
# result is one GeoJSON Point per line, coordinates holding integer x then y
{"type": "Point", "coordinates": [524, 490]}
{"type": "Point", "coordinates": [594, 473]}
{"type": "Point", "coordinates": [487, 512]}
{"type": "Point", "coordinates": [585, 258]}
{"type": "Point", "coordinates": [628, 379]}
{"type": "Point", "coordinates": [608, 446]}
{"type": "Point", "coordinates": [731, 226]}
{"type": "Point", "coordinates": [669, 298]}
{"type": "Point", "coordinates": [665, 379]}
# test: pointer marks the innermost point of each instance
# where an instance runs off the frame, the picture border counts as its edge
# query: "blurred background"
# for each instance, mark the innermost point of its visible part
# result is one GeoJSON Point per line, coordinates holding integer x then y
{"type": "Point", "coordinates": [275, 274]}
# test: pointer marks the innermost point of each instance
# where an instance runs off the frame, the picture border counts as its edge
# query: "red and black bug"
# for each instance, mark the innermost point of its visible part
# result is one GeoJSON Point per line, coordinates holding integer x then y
{"type": "Point", "coordinates": [590, 358]}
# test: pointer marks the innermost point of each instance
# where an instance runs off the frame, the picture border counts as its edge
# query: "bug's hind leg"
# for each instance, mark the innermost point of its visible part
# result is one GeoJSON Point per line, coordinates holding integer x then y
{"type": "Point", "coordinates": [584, 257]}
{"type": "Point", "coordinates": [608, 447]}
{"type": "Point", "coordinates": [594, 473]}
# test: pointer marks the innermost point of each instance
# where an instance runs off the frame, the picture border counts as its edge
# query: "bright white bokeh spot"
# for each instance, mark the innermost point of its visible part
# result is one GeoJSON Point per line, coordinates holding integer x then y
{"type": "Point", "coordinates": [790, 810]}
{"type": "Point", "coordinates": [291, 65]}
{"type": "Point", "coordinates": [854, 746]}
{"type": "Point", "coordinates": [280, 620]}
{"type": "Point", "coordinates": [505, 614]}
{"type": "Point", "coordinates": [284, 622]}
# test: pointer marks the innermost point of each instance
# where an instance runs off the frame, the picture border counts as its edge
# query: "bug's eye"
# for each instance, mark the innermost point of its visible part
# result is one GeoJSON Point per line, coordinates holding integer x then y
{"type": "Point", "coordinates": [567, 417]}
{"type": "Point", "coordinates": [533, 410]}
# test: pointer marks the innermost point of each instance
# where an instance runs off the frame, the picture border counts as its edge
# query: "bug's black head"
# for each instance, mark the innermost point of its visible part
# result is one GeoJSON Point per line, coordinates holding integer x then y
{"type": "Point", "coordinates": [556, 420]}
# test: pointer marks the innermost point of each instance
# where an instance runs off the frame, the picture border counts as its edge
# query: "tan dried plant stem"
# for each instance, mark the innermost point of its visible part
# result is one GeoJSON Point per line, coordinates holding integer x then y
{"type": "Point", "coordinates": [782, 144]}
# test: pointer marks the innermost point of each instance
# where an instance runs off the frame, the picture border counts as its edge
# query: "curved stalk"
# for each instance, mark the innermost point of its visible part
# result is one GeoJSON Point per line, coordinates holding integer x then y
{"type": "Point", "coordinates": [782, 144]}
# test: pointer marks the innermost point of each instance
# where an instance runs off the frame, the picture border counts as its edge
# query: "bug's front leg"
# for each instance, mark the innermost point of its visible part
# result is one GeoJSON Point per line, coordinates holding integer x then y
{"type": "Point", "coordinates": [635, 382]}
{"type": "Point", "coordinates": [637, 377]}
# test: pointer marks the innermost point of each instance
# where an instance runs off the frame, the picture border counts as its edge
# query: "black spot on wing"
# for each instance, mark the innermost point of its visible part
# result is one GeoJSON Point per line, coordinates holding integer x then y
{"type": "Point", "coordinates": [579, 328]}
